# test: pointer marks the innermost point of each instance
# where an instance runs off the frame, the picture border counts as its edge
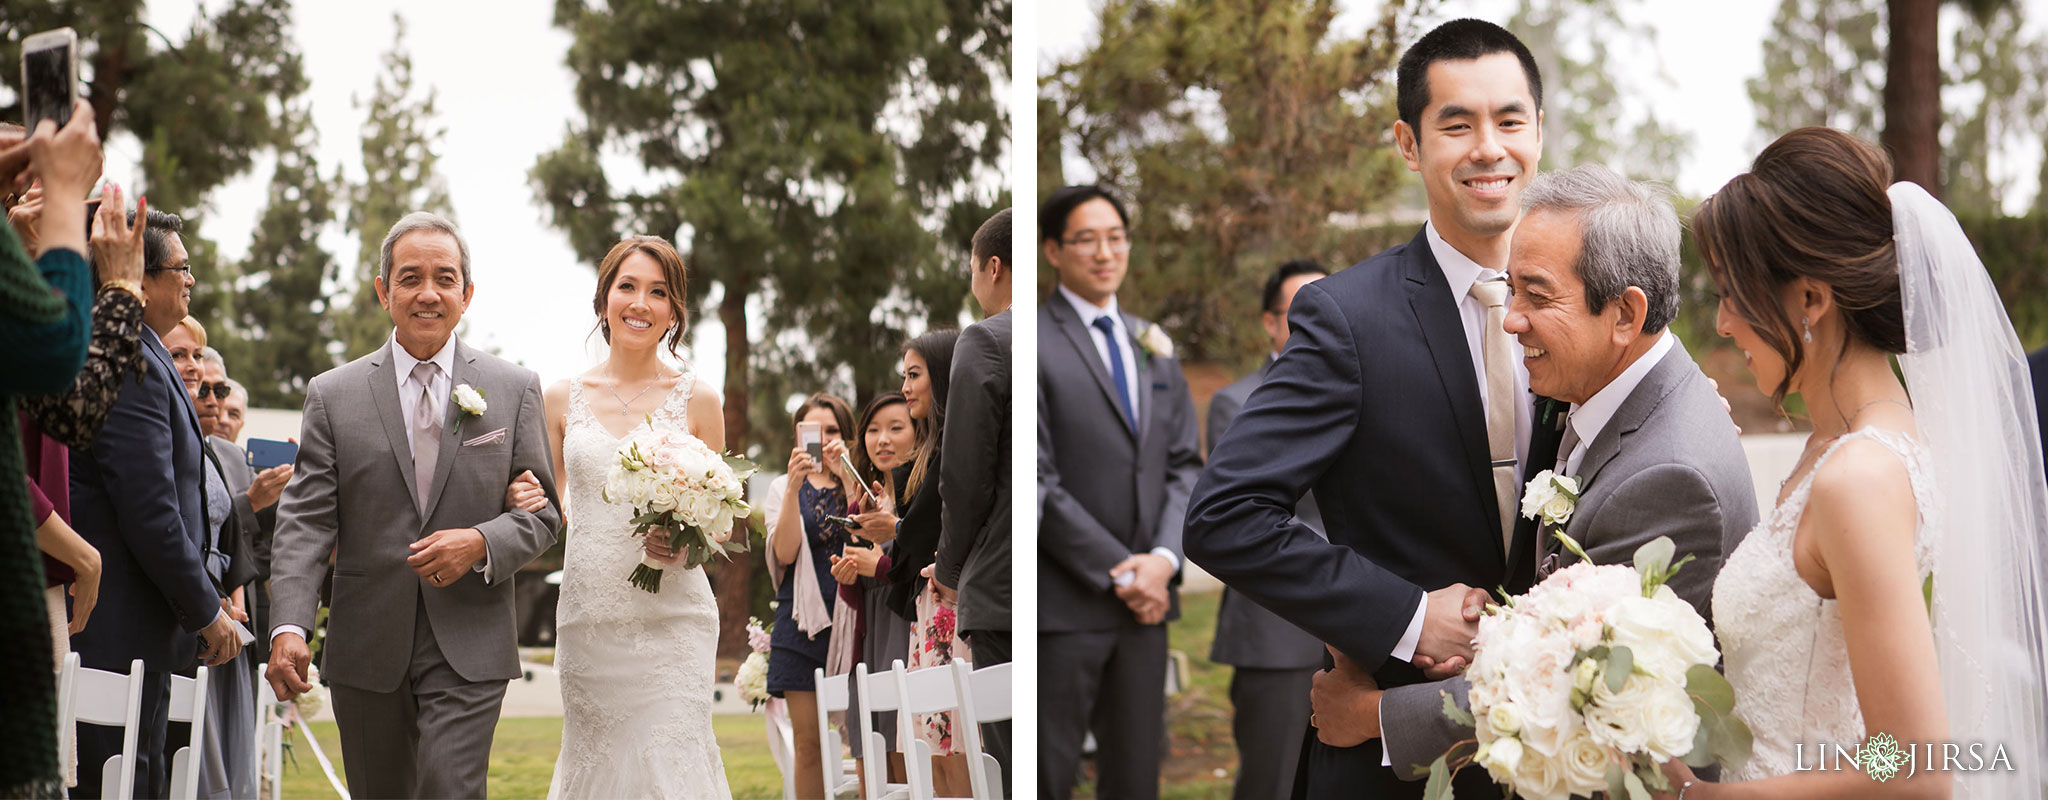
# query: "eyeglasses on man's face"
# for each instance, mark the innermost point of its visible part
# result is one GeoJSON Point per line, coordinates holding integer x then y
{"type": "Point", "coordinates": [218, 390]}
{"type": "Point", "coordinates": [1089, 242]}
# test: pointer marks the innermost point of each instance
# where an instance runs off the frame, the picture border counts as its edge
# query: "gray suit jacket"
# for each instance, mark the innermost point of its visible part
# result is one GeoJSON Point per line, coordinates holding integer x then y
{"type": "Point", "coordinates": [974, 477]}
{"type": "Point", "coordinates": [1104, 492]}
{"type": "Point", "coordinates": [1247, 635]}
{"type": "Point", "coordinates": [353, 488]}
{"type": "Point", "coordinates": [1667, 464]}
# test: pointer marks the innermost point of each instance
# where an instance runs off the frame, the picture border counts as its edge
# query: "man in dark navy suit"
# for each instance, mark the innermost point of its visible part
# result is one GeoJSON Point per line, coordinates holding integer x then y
{"type": "Point", "coordinates": [1402, 402]}
{"type": "Point", "coordinates": [136, 495]}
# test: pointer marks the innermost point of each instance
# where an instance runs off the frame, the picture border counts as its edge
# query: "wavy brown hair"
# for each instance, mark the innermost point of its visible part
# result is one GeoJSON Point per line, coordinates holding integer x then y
{"type": "Point", "coordinates": [672, 271]}
{"type": "Point", "coordinates": [1812, 205]}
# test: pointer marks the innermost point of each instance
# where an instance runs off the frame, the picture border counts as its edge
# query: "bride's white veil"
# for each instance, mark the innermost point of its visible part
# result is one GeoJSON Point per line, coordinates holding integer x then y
{"type": "Point", "coordinates": [1974, 405]}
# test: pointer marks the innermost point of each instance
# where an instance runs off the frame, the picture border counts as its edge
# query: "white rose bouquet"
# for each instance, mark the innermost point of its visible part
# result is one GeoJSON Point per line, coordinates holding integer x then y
{"type": "Point", "coordinates": [672, 480]}
{"type": "Point", "coordinates": [752, 679]}
{"type": "Point", "coordinates": [1590, 681]}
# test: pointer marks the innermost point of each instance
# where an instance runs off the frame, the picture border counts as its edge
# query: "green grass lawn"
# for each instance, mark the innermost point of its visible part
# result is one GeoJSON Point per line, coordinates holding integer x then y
{"type": "Point", "coordinates": [1197, 719]}
{"type": "Point", "coordinates": [523, 759]}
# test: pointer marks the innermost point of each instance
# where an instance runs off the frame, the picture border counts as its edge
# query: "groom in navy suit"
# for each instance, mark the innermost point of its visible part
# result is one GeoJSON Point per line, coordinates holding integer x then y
{"type": "Point", "coordinates": [1403, 404]}
{"type": "Point", "coordinates": [136, 496]}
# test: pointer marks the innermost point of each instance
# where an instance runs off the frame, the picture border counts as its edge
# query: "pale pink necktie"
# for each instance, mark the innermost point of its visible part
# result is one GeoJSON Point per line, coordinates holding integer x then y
{"type": "Point", "coordinates": [426, 431]}
{"type": "Point", "coordinates": [1500, 401]}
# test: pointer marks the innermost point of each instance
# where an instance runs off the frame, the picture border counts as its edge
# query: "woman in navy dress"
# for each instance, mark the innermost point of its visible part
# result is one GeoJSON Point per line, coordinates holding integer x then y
{"type": "Point", "coordinates": [801, 545]}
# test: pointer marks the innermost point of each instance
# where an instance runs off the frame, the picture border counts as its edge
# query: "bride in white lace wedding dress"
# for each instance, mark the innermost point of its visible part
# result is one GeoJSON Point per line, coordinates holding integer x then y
{"type": "Point", "coordinates": [1830, 633]}
{"type": "Point", "coordinates": [636, 668]}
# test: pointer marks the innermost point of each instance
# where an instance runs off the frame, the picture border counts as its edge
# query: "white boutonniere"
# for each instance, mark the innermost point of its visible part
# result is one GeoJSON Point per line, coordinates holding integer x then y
{"type": "Point", "coordinates": [471, 400]}
{"type": "Point", "coordinates": [1155, 342]}
{"type": "Point", "coordinates": [1550, 497]}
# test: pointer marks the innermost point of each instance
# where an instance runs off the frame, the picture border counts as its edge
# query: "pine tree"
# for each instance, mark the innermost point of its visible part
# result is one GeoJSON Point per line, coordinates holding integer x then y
{"type": "Point", "coordinates": [282, 334]}
{"type": "Point", "coordinates": [399, 177]}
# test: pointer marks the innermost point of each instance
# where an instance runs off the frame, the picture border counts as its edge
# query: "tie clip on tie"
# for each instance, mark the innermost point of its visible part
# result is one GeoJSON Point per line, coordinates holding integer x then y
{"type": "Point", "coordinates": [1504, 463]}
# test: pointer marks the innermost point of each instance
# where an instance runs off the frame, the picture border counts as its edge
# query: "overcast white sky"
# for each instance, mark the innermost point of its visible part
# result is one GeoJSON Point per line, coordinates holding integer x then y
{"type": "Point", "coordinates": [504, 98]}
{"type": "Point", "coordinates": [1708, 49]}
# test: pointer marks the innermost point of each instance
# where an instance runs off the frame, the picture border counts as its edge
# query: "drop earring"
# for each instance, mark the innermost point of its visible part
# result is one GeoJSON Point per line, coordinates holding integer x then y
{"type": "Point", "coordinates": [1808, 337]}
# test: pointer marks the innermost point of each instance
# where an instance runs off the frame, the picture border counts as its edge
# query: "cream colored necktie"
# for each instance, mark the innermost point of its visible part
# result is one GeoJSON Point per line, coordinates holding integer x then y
{"type": "Point", "coordinates": [426, 431]}
{"type": "Point", "coordinates": [1500, 401]}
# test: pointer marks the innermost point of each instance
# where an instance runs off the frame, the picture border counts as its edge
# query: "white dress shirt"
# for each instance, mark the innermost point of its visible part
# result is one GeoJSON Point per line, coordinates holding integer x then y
{"type": "Point", "coordinates": [1461, 272]}
{"type": "Point", "coordinates": [1126, 343]}
{"type": "Point", "coordinates": [1126, 348]}
{"type": "Point", "coordinates": [438, 390]}
{"type": "Point", "coordinates": [1588, 419]}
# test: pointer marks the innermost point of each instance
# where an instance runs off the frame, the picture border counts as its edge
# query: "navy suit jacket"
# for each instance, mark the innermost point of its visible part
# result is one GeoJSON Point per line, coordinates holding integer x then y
{"type": "Point", "coordinates": [136, 495]}
{"type": "Point", "coordinates": [1375, 406]}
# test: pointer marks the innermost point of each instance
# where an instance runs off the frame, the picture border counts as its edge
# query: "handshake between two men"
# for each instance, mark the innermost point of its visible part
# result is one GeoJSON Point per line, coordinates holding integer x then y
{"type": "Point", "coordinates": [1344, 700]}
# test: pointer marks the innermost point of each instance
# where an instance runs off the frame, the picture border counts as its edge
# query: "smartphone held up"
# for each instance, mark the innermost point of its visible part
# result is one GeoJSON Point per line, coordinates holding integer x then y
{"type": "Point", "coordinates": [49, 77]}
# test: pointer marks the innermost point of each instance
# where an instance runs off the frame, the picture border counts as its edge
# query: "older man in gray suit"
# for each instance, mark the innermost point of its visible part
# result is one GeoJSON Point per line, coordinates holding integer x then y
{"type": "Point", "coordinates": [421, 637]}
{"type": "Point", "coordinates": [1272, 660]}
{"type": "Point", "coordinates": [1594, 265]}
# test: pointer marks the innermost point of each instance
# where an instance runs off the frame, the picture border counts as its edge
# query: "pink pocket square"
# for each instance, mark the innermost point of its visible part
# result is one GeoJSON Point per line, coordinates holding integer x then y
{"type": "Point", "coordinates": [489, 438]}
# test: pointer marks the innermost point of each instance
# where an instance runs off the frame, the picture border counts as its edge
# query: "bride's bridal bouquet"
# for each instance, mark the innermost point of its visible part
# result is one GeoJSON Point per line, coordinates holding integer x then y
{"type": "Point", "coordinates": [674, 481]}
{"type": "Point", "coordinates": [1591, 680]}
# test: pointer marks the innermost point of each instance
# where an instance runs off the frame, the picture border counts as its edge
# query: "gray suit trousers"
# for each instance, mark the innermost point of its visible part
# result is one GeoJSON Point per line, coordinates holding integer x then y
{"type": "Point", "coordinates": [1270, 708]}
{"type": "Point", "coordinates": [1111, 683]}
{"type": "Point", "coordinates": [448, 724]}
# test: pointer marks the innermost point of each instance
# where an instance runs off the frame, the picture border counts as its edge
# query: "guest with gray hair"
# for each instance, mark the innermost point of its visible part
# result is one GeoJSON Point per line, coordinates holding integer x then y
{"type": "Point", "coordinates": [1594, 268]}
{"type": "Point", "coordinates": [234, 412]}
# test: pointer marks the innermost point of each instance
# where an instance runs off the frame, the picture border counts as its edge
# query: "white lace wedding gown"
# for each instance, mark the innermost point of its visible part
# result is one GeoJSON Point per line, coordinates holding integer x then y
{"type": "Point", "coordinates": [636, 668]}
{"type": "Point", "coordinates": [1782, 643]}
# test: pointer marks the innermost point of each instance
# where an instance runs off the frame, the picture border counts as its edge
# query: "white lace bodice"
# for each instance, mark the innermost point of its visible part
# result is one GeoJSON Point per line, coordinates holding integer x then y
{"type": "Point", "coordinates": [1782, 643]}
{"type": "Point", "coordinates": [637, 668]}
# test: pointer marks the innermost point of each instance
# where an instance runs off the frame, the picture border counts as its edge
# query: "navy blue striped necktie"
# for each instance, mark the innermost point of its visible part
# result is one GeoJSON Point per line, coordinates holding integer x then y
{"type": "Point", "coordinates": [1116, 371]}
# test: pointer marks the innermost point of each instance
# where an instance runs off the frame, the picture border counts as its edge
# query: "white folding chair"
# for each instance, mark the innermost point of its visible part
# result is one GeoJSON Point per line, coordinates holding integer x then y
{"type": "Point", "coordinates": [188, 705]}
{"type": "Point", "coordinates": [984, 697]}
{"type": "Point", "coordinates": [269, 738]}
{"type": "Point", "coordinates": [930, 691]}
{"type": "Point", "coordinates": [782, 744]}
{"type": "Point", "coordinates": [98, 697]}
{"type": "Point", "coordinates": [880, 693]}
{"type": "Point", "coordinates": [840, 777]}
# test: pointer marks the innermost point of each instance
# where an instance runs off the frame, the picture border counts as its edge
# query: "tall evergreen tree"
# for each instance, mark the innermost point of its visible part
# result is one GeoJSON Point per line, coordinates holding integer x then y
{"type": "Point", "coordinates": [282, 334]}
{"type": "Point", "coordinates": [831, 159]}
{"type": "Point", "coordinates": [400, 141]}
{"type": "Point", "coordinates": [1238, 130]}
{"type": "Point", "coordinates": [1576, 44]}
{"type": "Point", "coordinates": [203, 108]}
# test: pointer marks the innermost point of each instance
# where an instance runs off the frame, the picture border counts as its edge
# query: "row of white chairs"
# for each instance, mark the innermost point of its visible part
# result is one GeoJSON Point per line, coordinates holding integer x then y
{"type": "Point", "coordinates": [111, 699]}
{"type": "Point", "coordinates": [975, 696]}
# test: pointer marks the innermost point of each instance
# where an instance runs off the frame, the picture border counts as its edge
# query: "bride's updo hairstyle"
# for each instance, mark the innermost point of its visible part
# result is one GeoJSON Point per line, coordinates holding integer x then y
{"type": "Point", "coordinates": [1813, 205]}
{"type": "Point", "coordinates": [672, 271]}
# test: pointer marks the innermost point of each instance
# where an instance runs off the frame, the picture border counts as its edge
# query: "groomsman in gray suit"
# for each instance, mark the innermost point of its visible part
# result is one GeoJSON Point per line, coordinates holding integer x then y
{"type": "Point", "coordinates": [1273, 661]}
{"type": "Point", "coordinates": [421, 638]}
{"type": "Point", "coordinates": [1117, 458]}
{"type": "Point", "coordinates": [974, 479]}
{"type": "Point", "coordinates": [1594, 265]}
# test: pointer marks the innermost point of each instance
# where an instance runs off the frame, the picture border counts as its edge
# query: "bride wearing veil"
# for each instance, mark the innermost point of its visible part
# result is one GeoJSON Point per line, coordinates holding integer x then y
{"type": "Point", "coordinates": [1891, 605]}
